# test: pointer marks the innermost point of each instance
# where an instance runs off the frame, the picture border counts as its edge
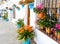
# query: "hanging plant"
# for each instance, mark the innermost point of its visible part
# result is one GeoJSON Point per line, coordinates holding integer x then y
{"type": "Point", "coordinates": [11, 9]}
{"type": "Point", "coordinates": [14, 6]}
{"type": "Point", "coordinates": [31, 5]}
{"type": "Point", "coordinates": [20, 2]}
{"type": "Point", "coordinates": [22, 5]}
{"type": "Point", "coordinates": [6, 7]}
{"type": "Point", "coordinates": [18, 8]}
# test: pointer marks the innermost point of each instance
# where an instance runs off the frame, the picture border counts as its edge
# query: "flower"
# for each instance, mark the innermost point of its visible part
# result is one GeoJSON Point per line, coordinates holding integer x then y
{"type": "Point", "coordinates": [24, 28]}
{"type": "Point", "coordinates": [29, 28]}
{"type": "Point", "coordinates": [57, 25]}
{"type": "Point", "coordinates": [53, 29]}
{"type": "Point", "coordinates": [40, 6]}
{"type": "Point", "coordinates": [20, 30]}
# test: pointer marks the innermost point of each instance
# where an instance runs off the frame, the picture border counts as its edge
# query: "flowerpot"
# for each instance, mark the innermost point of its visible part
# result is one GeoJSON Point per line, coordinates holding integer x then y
{"type": "Point", "coordinates": [48, 30]}
{"type": "Point", "coordinates": [58, 35]}
{"type": "Point", "coordinates": [6, 8]}
{"type": "Point", "coordinates": [6, 19]}
{"type": "Point", "coordinates": [18, 25]}
{"type": "Point", "coordinates": [14, 6]}
{"type": "Point", "coordinates": [27, 41]}
{"type": "Point", "coordinates": [41, 15]}
{"type": "Point", "coordinates": [22, 5]}
{"type": "Point", "coordinates": [31, 5]}
{"type": "Point", "coordinates": [0, 16]}
{"type": "Point", "coordinates": [18, 8]}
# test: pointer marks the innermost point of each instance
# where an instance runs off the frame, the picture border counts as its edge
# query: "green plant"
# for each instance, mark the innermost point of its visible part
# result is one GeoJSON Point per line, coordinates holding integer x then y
{"type": "Point", "coordinates": [20, 21]}
{"type": "Point", "coordinates": [48, 21]}
{"type": "Point", "coordinates": [5, 15]}
{"type": "Point", "coordinates": [25, 32]}
{"type": "Point", "coordinates": [39, 10]}
{"type": "Point", "coordinates": [43, 22]}
{"type": "Point", "coordinates": [58, 30]}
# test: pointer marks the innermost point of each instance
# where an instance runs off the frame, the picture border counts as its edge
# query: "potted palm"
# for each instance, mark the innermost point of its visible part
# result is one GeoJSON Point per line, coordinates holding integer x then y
{"type": "Point", "coordinates": [25, 34]}
{"type": "Point", "coordinates": [20, 23]}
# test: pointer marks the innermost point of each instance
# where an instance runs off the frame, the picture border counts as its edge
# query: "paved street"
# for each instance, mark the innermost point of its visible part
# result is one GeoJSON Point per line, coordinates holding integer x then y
{"type": "Point", "coordinates": [8, 33]}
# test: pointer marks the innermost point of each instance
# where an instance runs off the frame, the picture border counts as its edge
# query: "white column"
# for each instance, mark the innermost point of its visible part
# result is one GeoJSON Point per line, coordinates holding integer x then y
{"type": "Point", "coordinates": [10, 15]}
{"type": "Point", "coordinates": [26, 13]}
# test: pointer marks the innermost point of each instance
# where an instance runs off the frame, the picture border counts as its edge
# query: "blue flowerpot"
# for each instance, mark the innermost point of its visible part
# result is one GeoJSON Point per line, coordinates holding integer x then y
{"type": "Point", "coordinates": [22, 5]}
{"type": "Point", "coordinates": [27, 41]}
{"type": "Point", "coordinates": [18, 8]}
{"type": "Point", "coordinates": [18, 25]}
{"type": "Point", "coordinates": [31, 5]}
{"type": "Point", "coordinates": [0, 16]}
{"type": "Point", "coordinates": [6, 19]}
{"type": "Point", "coordinates": [14, 6]}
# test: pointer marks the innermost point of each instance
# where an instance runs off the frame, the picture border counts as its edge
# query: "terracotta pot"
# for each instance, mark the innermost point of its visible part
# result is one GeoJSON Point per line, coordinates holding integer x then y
{"type": "Point", "coordinates": [48, 30]}
{"type": "Point", "coordinates": [41, 15]}
{"type": "Point", "coordinates": [55, 33]}
{"type": "Point", "coordinates": [58, 36]}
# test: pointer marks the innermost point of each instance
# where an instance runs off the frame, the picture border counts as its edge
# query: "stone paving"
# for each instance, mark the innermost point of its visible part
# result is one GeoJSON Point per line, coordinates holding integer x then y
{"type": "Point", "coordinates": [8, 34]}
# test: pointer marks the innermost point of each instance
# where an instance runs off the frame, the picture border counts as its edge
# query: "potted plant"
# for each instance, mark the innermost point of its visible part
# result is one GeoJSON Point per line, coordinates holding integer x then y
{"type": "Point", "coordinates": [49, 22]}
{"type": "Point", "coordinates": [20, 23]}
{"type": "Point", "coordinates": [31, 5]}
{"type": "Point", "coordinates": [40, 10]}
{"type": "Point", "coordinates": [14, 6]}
{"type": "Point", "coordinates": [0, 16]}
{"type": "Point", "coordinates": [22, 5]}
{"type": "Point", "coordinates": [5, 17]}
{"type": "Point", "coordinates": [41, 23]}
{"type": "Point", "coordinates": [57, 26]}
{"type": "Point", "coordinates": [54, 32]}
{"type": "Point", "coordinates": [11, 9]}
{"type": "Point", "coordinates": [25, 34]}
{"type": "Point", "coordinates": [18, 8]}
